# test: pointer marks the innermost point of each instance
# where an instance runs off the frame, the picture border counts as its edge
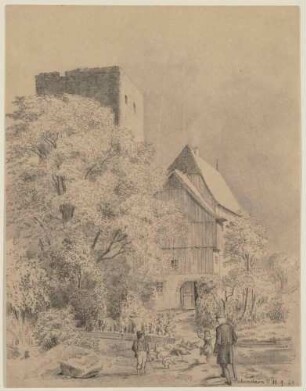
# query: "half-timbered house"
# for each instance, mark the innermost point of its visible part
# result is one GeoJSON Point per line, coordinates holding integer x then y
{"type": "Point", "coordinates": [207, 202]}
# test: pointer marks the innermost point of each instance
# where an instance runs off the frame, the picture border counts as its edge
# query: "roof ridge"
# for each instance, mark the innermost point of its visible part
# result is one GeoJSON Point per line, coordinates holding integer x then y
{"type": "Point", "coordinates": [188, 161]}
{"type": "Point", "coordinates": [195, 157]}
{"type": "Point", "coordinates": [217, 173]}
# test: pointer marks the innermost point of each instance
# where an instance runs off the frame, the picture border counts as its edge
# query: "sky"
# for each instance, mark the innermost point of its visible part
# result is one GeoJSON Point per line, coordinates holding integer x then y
{"type": "Point", "coordinates": [224, 79]}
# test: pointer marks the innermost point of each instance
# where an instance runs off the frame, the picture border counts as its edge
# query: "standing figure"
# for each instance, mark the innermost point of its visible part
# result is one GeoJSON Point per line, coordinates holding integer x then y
{"type": "Point", "coordinates": [207, 347]}
{"type": "Point", "coordinates": [225, 341]}
{"type": "Point", "coordinates": [141, 349]}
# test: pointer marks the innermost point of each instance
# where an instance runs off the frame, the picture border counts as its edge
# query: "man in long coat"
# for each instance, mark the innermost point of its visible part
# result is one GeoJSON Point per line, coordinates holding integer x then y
{"type": "Point", "coordinates": [225, 341]}
{"type": "Point", "coordinates": [141, 349]}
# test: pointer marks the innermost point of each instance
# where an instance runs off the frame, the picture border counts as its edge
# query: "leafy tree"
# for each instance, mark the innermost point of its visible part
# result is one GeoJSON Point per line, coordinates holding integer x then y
{"type": "Point", "coordinates": [284, 271]}
{"type": "Point", "coordinates": [245, 246]}
{"type": "Point", "coordinates": [256, 286]}
{"type": "Point", "coordinates": [116, 280]}
{"type": "Point", "coordinates": [209, 302]}
{"type": "Point", "coordinates": [27, 286]}
{"type": "Point", "coordinates": [245, 242]}
{"type": "Point", "coordinates": [82, 194]}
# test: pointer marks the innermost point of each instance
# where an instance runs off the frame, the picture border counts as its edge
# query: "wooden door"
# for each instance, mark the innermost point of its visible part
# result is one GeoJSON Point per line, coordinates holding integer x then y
{"type": "Point", "coordinates": [188, 295]}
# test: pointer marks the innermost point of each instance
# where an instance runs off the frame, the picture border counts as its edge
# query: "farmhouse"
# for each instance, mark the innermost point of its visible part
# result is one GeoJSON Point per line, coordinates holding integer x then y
{"type": "Point", "coordinates": [206, 200]}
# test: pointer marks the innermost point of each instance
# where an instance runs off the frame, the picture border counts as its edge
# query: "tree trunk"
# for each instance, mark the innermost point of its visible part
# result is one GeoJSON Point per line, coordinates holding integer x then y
{"type": "Point", "coordinates": [245, 302]}
{"type": "Point", "coordinates": [59, 184]}
{"type": "Point", "coordinates": [79, 280]}
{"type": "Point", "coordinates": [248, 263]}
{"type": "Point", "coordinates": [67, 211]}
{"type": "Point", "coordinates": [96, 239]}
{"type": "Point", "coordinates": [253, 304]}
{"type": "Point", "coordinates": [16, 314]}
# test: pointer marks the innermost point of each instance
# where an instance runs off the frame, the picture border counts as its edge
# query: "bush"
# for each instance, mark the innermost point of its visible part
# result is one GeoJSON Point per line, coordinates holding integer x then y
{"type": "Point", "coordinates": [206, 310]}
{"type": "Point", "coordinates": [208, 304]}
{"type": "Point", "coordinates": [164, 324]}
{"type": "Point", "coordinates": [277, 312]}
{"type": "Point", "coordinates": [54, 327]}
{"type": "Point", "coordinates": [89, 307]}
{"type": "Point", "coordinates": [19, 338]}
{"type": "Point", "coordinates": [133, 309]}
{"type": "Point", "coordinates": [135, 316]}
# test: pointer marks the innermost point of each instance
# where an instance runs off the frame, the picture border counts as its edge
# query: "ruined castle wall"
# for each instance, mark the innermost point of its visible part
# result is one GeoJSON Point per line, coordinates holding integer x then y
{"type": "Point", "coordinates": [101, 84]}
{"type": "Point", "coordinates": [50, 83]}
{"type": "Point", "coordinates": [110, 86]}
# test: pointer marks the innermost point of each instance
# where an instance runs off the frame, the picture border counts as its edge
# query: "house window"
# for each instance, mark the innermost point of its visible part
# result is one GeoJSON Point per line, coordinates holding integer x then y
{"type": "Point", "coordinates": [174, 264]}
{"type": "Point", "coordinates": [159, 287]}
{"type": "Point", "coordinates": [134, 107]}
{"type": "Point", "coordinates": [126, 99]}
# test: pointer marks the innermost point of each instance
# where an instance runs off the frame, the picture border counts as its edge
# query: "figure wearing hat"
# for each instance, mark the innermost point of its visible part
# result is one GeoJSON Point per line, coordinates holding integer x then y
{"type": "Point", "coordinates": [226, 338]}
{"type": "Point", "coordinates": [141, 349]}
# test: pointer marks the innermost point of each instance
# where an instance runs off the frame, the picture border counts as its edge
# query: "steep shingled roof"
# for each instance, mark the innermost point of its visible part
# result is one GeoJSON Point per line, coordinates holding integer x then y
{"type": "Point", "coordinates": [217, 185]}
{"type": "Point", "coordinates": [188, 162]}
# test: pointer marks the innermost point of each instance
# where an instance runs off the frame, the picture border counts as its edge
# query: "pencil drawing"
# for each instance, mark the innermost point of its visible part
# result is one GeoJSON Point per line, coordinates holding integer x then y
{"type": "Point", "coordinates": [122, 270]}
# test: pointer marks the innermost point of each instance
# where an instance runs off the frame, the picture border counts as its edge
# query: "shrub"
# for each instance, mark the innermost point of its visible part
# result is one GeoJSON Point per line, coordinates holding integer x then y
{"type": "Point", "coordinates": [19, 337]}
{"type": "Point", "coordinates": [278, 311]}
{"type": "Point", "coordinates": [27, 287]}
{"type": "Point", "coordinates": [133, 309]}
{"type": "Point", "coordinates": [54, 327]}
{"type": "Point", "coordinates": [89, 307]}
{"type": "Point", "coordinates": [208, 303]}
{"type": "Point", "coordinates": [164, 324]}
{"type": "Point", "coordinates": [206, 310]}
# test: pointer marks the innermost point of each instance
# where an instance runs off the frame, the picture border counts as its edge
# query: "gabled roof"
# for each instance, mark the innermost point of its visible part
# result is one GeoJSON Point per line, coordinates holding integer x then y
{"type": "Point", "coordinates": [218, 187]}
{"type": "Point", "coordinates": [192, 190]}
{"type": "Point", "coordinates": [213, 179]}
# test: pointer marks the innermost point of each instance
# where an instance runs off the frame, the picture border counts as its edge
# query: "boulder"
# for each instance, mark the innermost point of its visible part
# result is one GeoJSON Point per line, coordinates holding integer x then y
{"type": "Point", "coordinates": [81, 367]}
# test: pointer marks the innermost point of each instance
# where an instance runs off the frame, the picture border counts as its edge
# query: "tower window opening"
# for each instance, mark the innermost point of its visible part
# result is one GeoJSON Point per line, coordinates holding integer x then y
{"type": "Point", "coordinates": [126, 99]}
{"type": "Point", "coordinates": [159, 287]}
{"type": "Point", "coordinates": [134, 107]}
{"type": "Point", "coordinates": [174, 264]}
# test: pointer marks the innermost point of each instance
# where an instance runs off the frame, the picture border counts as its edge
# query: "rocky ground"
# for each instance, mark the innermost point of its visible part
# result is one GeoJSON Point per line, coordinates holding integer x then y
{"type": "Point", "coordinates": [258, 363]}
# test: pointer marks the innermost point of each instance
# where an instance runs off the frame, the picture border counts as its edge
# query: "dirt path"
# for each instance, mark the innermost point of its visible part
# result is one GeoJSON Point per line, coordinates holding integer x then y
{"type": "Point", "coordinates": [183, 375]}
{"type": "Point", "coordinates": [185, 326]}
{"type": "Point", "coordinates": [252, 369]}
{"type": "Point", "coordinates": [256, 365]}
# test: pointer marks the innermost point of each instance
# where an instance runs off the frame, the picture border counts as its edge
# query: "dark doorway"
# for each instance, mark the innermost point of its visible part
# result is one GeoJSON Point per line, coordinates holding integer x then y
{"type": "Point", "coordinates": [188, 295]}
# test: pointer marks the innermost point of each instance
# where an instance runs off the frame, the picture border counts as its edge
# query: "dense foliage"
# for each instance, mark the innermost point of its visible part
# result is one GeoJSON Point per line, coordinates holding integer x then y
{"type": "Point", "coordinates": [255, 285]}
{"type": "Point", "coordinates": [82, 215]}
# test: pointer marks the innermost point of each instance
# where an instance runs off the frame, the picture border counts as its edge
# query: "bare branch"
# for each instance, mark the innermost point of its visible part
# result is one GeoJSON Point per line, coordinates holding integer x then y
{"type": "Point", "coordinates": [100, 164]}
{"type": "Point", "coordinates": [118, 237]}
{"type": "Point", "coordinates": [50, 141]}
{"type": "Point", "coordinates": [96, 239]}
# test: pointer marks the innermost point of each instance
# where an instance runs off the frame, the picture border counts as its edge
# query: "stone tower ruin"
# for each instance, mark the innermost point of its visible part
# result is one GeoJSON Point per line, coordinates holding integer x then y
{"type": "Point", "coordinates": [108, 85]}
